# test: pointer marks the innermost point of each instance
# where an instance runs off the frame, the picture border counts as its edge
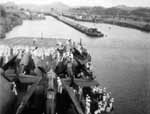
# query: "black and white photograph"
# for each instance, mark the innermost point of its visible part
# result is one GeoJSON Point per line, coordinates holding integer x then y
{"type": "Point", "coordinates": [74, 56]}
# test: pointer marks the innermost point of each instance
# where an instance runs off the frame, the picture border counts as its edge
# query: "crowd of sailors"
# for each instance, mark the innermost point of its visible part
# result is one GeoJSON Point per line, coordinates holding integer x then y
{"type": "Point", "coordinates": [68, 60]}
{"type": "Point", "coordinates": [95, 100]}
{"type": "Point", "coordinates": [104, 99]}
{"type": "Point", "coordinates": [61, 55]}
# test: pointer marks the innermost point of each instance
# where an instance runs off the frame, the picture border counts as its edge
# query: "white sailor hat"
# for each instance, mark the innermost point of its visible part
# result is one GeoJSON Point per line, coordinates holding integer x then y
{"type": "Point", "coordinates": [112, 100]}
{"type": "Point", "coordinates": [34, 39]}
{"type": "Point", "coordinates": [58, 43]}
{"type": "Point", "coordinates": [100, 103]}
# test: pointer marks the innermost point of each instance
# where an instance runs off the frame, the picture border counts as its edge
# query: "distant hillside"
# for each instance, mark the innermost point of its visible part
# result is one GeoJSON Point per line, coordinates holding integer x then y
{"type": "Point", "coordinates": [59, 5]}
{"type": "Point", "coordinates": [10, 4]}
{"type": "Point", "coordinates": [56, 5]}
{"type": "Point", "coordinates": [124, 7]}
{"type": "Point", "coordinates": [28, 6]}
{"type": "Point", "coordinates": [113, 11]}
{"type": "Point", "coordinates": [8, 20]}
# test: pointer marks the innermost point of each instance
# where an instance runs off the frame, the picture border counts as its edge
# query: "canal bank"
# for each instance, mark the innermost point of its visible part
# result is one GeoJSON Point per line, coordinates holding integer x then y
{"type": "Point", "coordinates": [115, 21]}
{"type": "Point", "coordinates": [120, 61]}
{"type": "Point", "coordinates": [92, 32]}
{"type": "Point", "coordinates": [8, 23]}
{"type": "Point", "coordinates": [11, 17]}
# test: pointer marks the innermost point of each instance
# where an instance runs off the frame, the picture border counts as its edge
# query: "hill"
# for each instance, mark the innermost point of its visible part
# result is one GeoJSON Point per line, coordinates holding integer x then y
{"type": "Point", "coordinates": [121, 11]}
{"type": "Point", "coordinates": [56, 5]}
{"type": "Point", "coordinates": [133, 17]}
{"type": "Point", "coordinates": [124, 7]}
{"type": "Point", "coordinates": [8, 20]}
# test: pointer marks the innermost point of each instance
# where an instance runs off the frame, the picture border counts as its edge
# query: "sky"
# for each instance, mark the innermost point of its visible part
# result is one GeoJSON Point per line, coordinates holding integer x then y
{"type": "Point", "coordinates": [105, 3]}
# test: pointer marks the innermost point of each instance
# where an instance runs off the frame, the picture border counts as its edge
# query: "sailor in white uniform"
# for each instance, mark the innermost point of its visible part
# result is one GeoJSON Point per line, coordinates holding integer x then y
{"type": "Point", "coordinates": [87, 104]}
{"type": "Point", "coordinates": [99, 111]}
{"type": "Point", "coordinates": [59, 83]}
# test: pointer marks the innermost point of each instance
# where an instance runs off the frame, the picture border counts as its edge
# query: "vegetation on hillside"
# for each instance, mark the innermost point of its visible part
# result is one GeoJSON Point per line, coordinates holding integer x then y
{"type": "Point", "coordinates": [8, 20]}
{"type": "Point", "coordinates": [134, 17]}
{"type": "Point", "coordinates": [138, 13]}
{"type": "Point", "coordinates": [11, 15]}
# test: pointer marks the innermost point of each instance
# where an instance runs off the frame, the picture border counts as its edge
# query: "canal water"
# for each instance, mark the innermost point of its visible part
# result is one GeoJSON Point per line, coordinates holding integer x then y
{"type": "Point", "coordinates": [121, 59]}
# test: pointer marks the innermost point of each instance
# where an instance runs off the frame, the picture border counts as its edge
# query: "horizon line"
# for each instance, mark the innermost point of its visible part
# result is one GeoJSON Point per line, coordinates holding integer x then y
{"type": "Point", "coordinates": [75, 5]}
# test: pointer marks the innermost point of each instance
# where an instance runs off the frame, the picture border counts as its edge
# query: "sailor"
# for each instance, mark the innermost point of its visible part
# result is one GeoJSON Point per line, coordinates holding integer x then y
{"type": "Point", "coordinates": [50, 105]}
{"type": "Point", "coordinates": [34, 41]}
{"type": "Point", "coordinates": [37, 61]}
{"type": "Point", "coordinates": [80, 92]}
{"type": "Point", "coordinates": [57, 56]}
{"type": "Point", "coordinates": [70, 43]}
{"type": "Point", "coordinates": [67, 46]}
{"type": "Point", "coordinates": [1, 61]}
{"type": "Point", "coordinates": [87, 104]}
{"type": "Point", "coordinates": [25, 59]}
{"type": "Point", "coordinates": [104, 97]}
{"type": "Point", "coordinates": [60, 47]}
{"type": "Point", "coordinates": [81, 75]}
{"type": "Point", "coordinates": [100, 91]}
{"type": "Point", "coordinates": [59, 83]}
{"type": "Point", "coordinates": [89, 65]}
{"type": "Point", "coordinates": [1, 72]}
{"type": "Point", "coordinates": [104, 90]}
{"type": "Point", "coordinates": [103, 106]}
{"type": "Point", "coordinates": [98, 111]}
{"type": "Point", "coordinates": [108, 95]}
{"type": "Point", "coordinates": [79, 48]}
{"type": "Point", "coordinates": [26, 63]}
{"type": "Point", "coordinates": [14, 88]}
{"type": "Point", "coordinates": [20, 54]}
{"type": "Point", "coordinates": [109, 107]}
{"type": "Point", "coordinates": [69, 68]}
{"type": "Point", "coordinates": [6, 55]}
{"type": "Point", "coordinates": [40, 66]}
{"type": "Point", "coordinates": [94, 89]}
{"type": "Point", "coordinates": [51, 79]}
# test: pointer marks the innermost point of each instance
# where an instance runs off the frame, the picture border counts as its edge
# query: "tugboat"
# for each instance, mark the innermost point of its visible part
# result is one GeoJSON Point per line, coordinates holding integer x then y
{"type": "Point", "coordinates": [94, 32]}
{"type": "Point", "coordinates": [46, 80]}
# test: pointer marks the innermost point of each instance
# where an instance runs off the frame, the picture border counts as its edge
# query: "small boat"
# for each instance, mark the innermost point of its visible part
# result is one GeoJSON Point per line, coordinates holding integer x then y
{"type": "Point", "coordinates": [94, 32]}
